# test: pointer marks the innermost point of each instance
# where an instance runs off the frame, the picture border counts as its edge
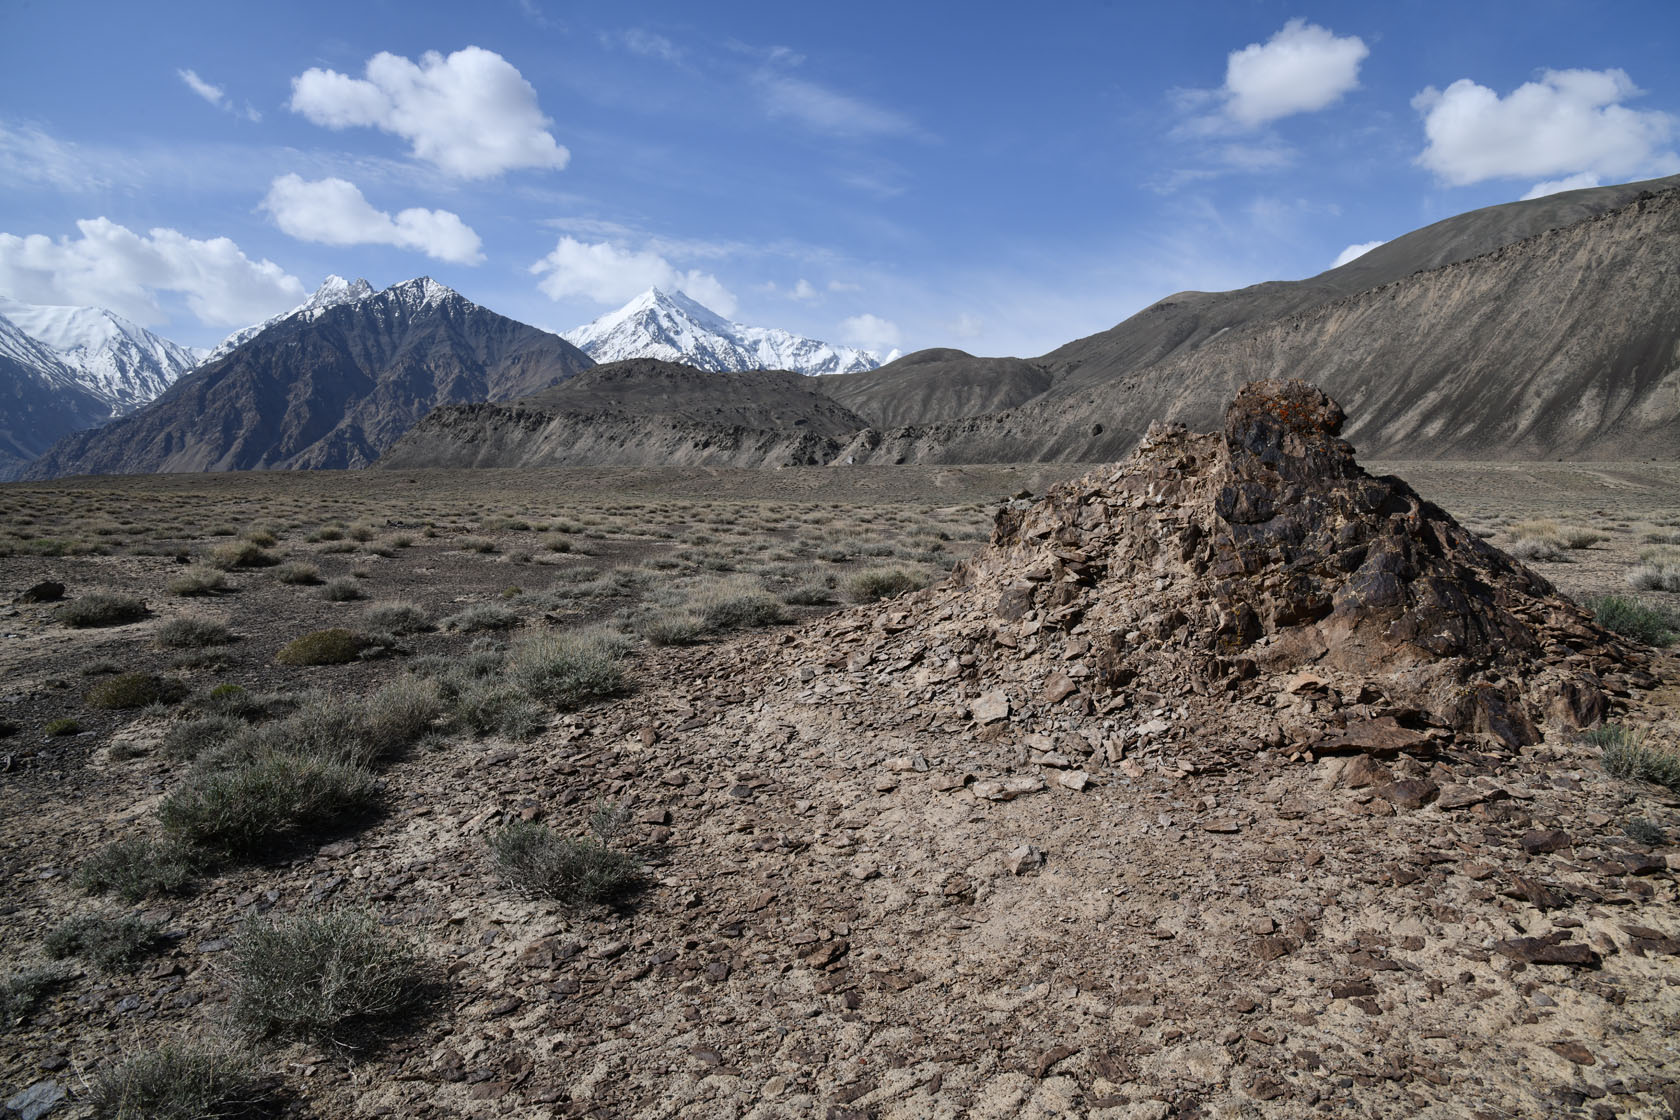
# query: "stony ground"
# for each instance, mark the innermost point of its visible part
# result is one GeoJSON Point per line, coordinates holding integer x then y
{"type": "Point", "coordinates": [893, 874]}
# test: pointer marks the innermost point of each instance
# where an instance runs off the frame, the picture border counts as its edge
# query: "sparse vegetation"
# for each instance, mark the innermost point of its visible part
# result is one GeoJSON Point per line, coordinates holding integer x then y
{"type": "Point", "coordinates": [575, 872]}
{"type": "Point", "coordinates": [64, 725]}
{"type": "Point", "coordinates": [135, 869]}
{"type": "Point", "coordinates": [23, 989]}
{"type": "Point", "coordinates": [180, 1081]}
{"type": "Point", "coordinates": [110, 944]}
{"type": "Point", "coordinates": [483, 616]}
{"type": "Point", "coordinates": [197, 580]}
{"type": "Point", "coordinates": [298, 573]}
{"type": "Point", "coordinates": [193, 631]}
{"type": "Point", "coordinates": [874, 584]}
{"type": "Point", "coordinates": [253, 805]}
{"type": "Point", "coordinates": [101, 608]}
{"type": "Point", "coordinates": [1627, 756]}
{"type": "Point", "coordinates": [333, 646]}
{"type": "Point", "coordinates": [568, 669]}
{"type": "Point", "coordinates": [396, 617]}
{"type": "Point", "coordinates": [134, 690]}
{"type": "Point", "coordinates": [341, 589]}
{"type": "Point", "coordinates": [241, 554]}
{"type": "Point", "coordinates": [1630, 618]}
{"type": "Point", "coordinates": [1645, 832]}
{"type": "Point", "coordinates": [326, 978]}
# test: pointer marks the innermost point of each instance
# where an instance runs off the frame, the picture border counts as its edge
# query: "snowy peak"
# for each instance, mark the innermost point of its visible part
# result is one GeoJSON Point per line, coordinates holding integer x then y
{"type": "Point", "coordinates": [334, 290]}
{"type": "Point", "coordinates": [673, 327]}
{"type": "Point", "coordinates": [121, 363]}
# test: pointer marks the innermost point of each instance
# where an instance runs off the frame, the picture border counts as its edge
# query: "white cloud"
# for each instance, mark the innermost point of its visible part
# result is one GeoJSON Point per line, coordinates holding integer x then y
{"type": "Point", "coordinates": [216, 96]}
{"type": "Point", "coordinates": [803, 290]}
{"type": "Point", "coordinates": [870, 331]}
{"type": "Point", "coordinates": [648, 44]}
{"type": "Point", "coordinates": [607, 274]}
{"type": "Point", "coordinates": [471, 114]}
{"type": "Point", "coordinates": [1302, 68]}
{"type": "Point", "coordinates": [111, 266]}
{"type": "Point", "coordinates": [333, 212]}
{"type": "Point", "coordinates": [1557, 186]}
{"type": "Point", "coordinates": [1568, 122]}
{"type": "Point", "coordinates": [28, 155]}
{"type": "Point", "coordinates": [1354, 252]}
{"type": "Point", "coordinates": [824, 110]}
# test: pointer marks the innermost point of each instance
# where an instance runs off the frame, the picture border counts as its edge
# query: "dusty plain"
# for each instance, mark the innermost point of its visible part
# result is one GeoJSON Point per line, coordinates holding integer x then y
{"type": "Point", "coordinates": [831, 927]}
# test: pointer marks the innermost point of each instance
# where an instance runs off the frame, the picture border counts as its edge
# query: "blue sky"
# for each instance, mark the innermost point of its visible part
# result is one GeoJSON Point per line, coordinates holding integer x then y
{"type": "Point", "coordinates": [997, 178]}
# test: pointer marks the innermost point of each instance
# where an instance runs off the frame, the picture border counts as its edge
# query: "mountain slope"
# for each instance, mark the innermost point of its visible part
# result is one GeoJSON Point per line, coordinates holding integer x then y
{"type": "Point", "coordinates": [1561, 345]}
{"type": "Point", "coordinates": [937, 383]}
{"type": "Point", "coordinates": [120, 362]}
{"type": "Point", "coordinates": [41, 400]}
{"type": "Point", "coordinates": [332, 388]}
{"type": "Point", "coordinates": [671, 327]}
{"type": "Point", "coordinates": [641, 412]}
{"type": "Point", "coordinates": [334, 290]}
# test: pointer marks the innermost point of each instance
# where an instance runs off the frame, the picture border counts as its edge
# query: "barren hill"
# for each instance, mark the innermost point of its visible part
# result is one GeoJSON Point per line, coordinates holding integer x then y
{"type": "Point", "coordinates": [1558, 345]}
{"type": "Point", "coordinates": [639, 412]}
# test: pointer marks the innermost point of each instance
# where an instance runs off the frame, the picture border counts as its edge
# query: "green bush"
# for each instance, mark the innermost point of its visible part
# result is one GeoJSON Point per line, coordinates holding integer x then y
{"type": "Point", "coordinates": [136, 868]}
{"type": "Point", "coordinates": [251, 806]}
{"type": "Point", "coordinates": [356, 731]}
{"type": "Point", "coordinates": [63, 726]}
{"type": "Point", "coordinates": [874, 584]}
{"type": "Point", "coordinates": [396, 618]}
{"type": "Point", "coordinates": [567, 670]}
{"type": "Point", "coordinates": [134, 690]}
{"type": "Point", "coordinates": [1632, 619]}
{"type": "Point", "coordinates": [809, 595]}
{"type": "Point", "coordinates": [187, 739]}
{"type": "Point", "coordinates": [537, 861]}
{"type": "Point", "coordinates": [180, 1081]}
{"type": "Point", "coordinates": [298, 573]}
{"type": "Point", "coordinates": [490, 708]}
{"type": "Point", "coordinates": [112, 944]}
{"type": "Point", "coordinates": [191, 631]}
{"type": "Point", "coordinates": [334, 646]}
{"type": "Point", "coordinates": [1627, 757]}
{"type": "Point", "coordinates": [736, 608]}
{"type": "Point", "coordinates": [325, 978]}
{"type": "Point", "coordinates": [341, 589]}
{"type": "Point", "coordinates": [241, 554]}
{"type": "Point", "coordinates": [1649, 833]}
{"type": "Point", "coordinates": [200, 579]}
{"type": "Point", "coordinates": [101, 608]}
{"type": "Point", "coordinates": [668, 627]}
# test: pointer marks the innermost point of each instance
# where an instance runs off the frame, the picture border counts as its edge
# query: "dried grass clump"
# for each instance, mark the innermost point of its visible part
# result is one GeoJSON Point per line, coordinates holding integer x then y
{"type": "Point", "coordinates": [101, 608]}
{"type": "Point", "coordinates": [575, 872]}
{"type": "Point", "coordinates": [567, 670]}
{"type": "Point", "coordinates": [193, 631]}
{"type": "Point", "coordinates": [136, 868]}
{"type": "Point", "coordinates": [134, 690]}
{"type": "Point", "coordinates": [199, 579]}
{"type": "Point", "coordinates": [333, 646]}
{"type": "Point", "coordinates": [241, 554]}
{"type": "Point", "coordinates": [327, 978]}
{"type": "Point", "coordinates": [180, 1081]}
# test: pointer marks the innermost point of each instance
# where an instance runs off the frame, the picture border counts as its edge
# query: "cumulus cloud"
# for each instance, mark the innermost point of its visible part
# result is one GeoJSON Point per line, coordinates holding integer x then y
{"type": "Point", "coordinates": [828, 111]}
{"type": "Point", "coordinates": [111, 266]}
{"type": "Point", "coordinates": [215, 95]}
{"type": "Point", "coordinates": [1302, 68]}
{"type": "Point", "coordinates": [333, 212]}
{"type": "Point", "coordinates": [803, 290]}
{"type": "Point", "coordinates": [472, 115]}
{"type": "Point", "coordinates": [1557, 186]}
{"type": "Point", "coordinates": [1570, 123]}
{"type": "Point", "coordinates": [608, 274]}
{"type": "Point", "coordinates": [869, 331]}
{"type": "Point", "coordinates": [1354, 252]}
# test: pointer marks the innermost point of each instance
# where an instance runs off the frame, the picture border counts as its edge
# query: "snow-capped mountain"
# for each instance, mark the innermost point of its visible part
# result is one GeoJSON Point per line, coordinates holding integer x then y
{"type": "Point", "coordinates": [674, 328]}
{"type": "Point", "coordinates": [120, 362]}
{"type": "Point", "coordinates": [41, 400]}
{"type": "Point", "coordinates": [334, 290]}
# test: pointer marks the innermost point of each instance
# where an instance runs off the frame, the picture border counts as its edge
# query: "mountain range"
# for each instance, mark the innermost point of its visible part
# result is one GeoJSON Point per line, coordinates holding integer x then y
{"type": "Point", "coordinates": [331, 385]}
{"type": "Point", "coordinates": [1534, 329]}
{"type": "Point", "coordinates": [672, 327]}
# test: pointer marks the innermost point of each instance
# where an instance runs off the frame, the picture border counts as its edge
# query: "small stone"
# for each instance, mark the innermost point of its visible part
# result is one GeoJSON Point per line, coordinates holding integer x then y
{"type": "Point", "coordinates": [989, 707]}
{"type": "Point", "coordinates": [1008, 789]}
{"type": "Point", "coordinates": [1058, 687]}
{"type": "Point", "coordinates": [1575, 1052]}
{"type": "Point", "coordinates": [1551, 949]}
{"type": "Point", "coordinates": [1024, 859]}
{"type": "Point", "coordinates": [339, 850]}
{"type": "Point", "coordinates": [1411, 793]}
{"type": "Point", "coordinates": [1538, 841]}
{"type": "Point", "coordinates": [1074, 780]}
{"type": "Point", "coordinates": [37, 1100]}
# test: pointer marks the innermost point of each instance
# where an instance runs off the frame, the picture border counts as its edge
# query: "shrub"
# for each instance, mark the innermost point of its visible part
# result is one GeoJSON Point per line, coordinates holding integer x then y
{"type": "Point", "coordinates": [542, 864]}
{"type": "Point", "coordinates": [809, 595]}
{"type": "Point", "coordinates": [63, 726]}
{"type": "Point", "coordinates": [325, 533]}
{"type": "Point", "coordinates": [262, 538]}
{"type": "Point", "coordinates": [179, 1081]}
{"type": "Point", "coordinates": [356, 731]}
{"type": "Point", "coordinates": [135, 868]}
{"type": "Point", "coordinates": [477, 544]}
{"type": "Point", "coordinates": [23, 989]}
{"type": "Point", "coordinates": [323, 978]}
{"type": "Point", "coordinates": [483, 616]}
{"type": "Point", "coordinates": [241, 554]}
{"type": "Point", "coordinates": [668, 627]}
{"type": "Point", "coordinates": [1581, 538]}
{"type": "Point", "coordinates": [192, 631]}
{"type": "Point", "coordinates": [101, 608]}
{"type": "Point", "coordinates": [1536, 548]}
{"type": "Point", "coordinates": [252, 806]}
{"type": "Point", "coordinates": [874, 584]}
{"type": "Point", "coordinates": [567, 670]}
{"type": "Point", "coordinates": [333, 646]}
{"type": "Point", "coordinates": [489, 708]}
{"type": "Point", "coordinates": [199, 579]}
{"type": "Point", "coordinates": [1644, 832]}
{"type": "Point", "coordinates": [399, 713]}
{"type": "Point", "coordinates": [298, 574]}
{"type": "Point", "coordinates": [1632, 619]}
{"type": "Point", "coordinates": [134, 690]}
{"type": "Point", "coordinates": [187, 739]}
{"type": "Point", "coordinates": [1627, 757]}
{"type": "Point", "coordinates": [557, 542]}
{"type": "Point", "coordinates": [341, 589]}
{"type": "Point", "coordinates": [112, 944]}
{"type": "Point", "coordinates": [1654, 577]}
{"type": "Point", "coordinates": [735, 607]}
{"type": "Point", "coordinates": [396, 618]}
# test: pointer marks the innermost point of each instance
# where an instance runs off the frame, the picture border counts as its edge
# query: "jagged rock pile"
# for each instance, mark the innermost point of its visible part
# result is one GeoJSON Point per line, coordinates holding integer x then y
{"type": "Point", "coordinates": [1258, 564]}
